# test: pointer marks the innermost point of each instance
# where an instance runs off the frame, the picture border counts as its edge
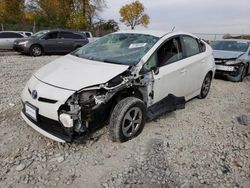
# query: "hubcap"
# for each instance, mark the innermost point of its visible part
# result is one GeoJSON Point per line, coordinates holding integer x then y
{"type": "Point", "coordinates": [131, 121]}
{"type": "Point", "coordinates": [36, 51]}
{"type": "Point", "coordinates": [206, 85]}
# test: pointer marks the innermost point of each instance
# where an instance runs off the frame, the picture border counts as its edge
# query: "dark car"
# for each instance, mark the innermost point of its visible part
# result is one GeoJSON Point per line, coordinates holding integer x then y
{"type": "Point", "coordinates": [50, 42]}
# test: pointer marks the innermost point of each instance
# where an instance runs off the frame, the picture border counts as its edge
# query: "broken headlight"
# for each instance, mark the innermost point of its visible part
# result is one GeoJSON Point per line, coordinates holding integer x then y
{"type": "Point", "coordinates": [86, 96]}
{"type": "Point", "coordinates": [233, 62]}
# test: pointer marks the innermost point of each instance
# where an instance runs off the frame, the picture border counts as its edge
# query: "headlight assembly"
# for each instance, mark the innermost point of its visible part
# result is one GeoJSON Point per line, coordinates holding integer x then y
{"type": "Point", "coordinates": [233, 62]}
{"type": "Point", "coordinates": [23, 43]}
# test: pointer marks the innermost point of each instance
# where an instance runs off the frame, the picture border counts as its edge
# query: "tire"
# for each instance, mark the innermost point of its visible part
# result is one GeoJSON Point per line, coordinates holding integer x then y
{"type": "Point", "coordinates": [36, 50]}
{"type": "Point", "coordinates": [127, 119]}
{"type": "Point", "coordinates": [240, 77]}
{"type": "Point", "coordinates": [205, 88]}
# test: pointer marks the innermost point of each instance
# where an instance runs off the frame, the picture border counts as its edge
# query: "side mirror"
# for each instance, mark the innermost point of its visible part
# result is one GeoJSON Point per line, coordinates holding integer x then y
{"type": "Point", "coordinates": [156, 70]}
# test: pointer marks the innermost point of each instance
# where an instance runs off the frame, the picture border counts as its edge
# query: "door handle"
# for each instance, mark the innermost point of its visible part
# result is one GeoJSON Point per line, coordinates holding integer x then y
{"type": "Point", "coordinates": [183, 71]}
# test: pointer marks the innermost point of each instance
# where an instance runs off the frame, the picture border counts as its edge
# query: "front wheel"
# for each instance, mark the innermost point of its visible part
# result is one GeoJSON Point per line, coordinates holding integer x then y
{"type": "Point", "coordinates": [127, 119]}
{"type": "Point", "coordinates": [36, 50]}
{"type": "Point", "coordinates": [205, 86]}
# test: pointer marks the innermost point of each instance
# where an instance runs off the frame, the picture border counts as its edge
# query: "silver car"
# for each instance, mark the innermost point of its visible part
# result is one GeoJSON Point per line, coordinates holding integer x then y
{"type": "Point", "coordinates": [232, 58]}
{"type": "Point", "coordinates": [7, 39]}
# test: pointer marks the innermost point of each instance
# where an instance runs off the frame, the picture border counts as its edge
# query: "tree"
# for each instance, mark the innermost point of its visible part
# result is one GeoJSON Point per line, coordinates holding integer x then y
{"type": "Point", "coordinates": [103, 27]}
{"type": "Point", "coordinates": [133, 15]}
{"type": "Point", "coordinates": [11, 12]}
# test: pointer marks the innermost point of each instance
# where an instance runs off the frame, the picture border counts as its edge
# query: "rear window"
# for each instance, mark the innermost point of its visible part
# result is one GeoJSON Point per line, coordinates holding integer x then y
{"type": "Point", "coordinates": [191, 46]}
{"type": "Point", "coordinates": [238, 46]}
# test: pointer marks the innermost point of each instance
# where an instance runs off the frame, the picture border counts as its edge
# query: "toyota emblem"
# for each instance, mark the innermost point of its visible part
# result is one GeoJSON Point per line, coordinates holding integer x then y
{"type": "Point", "coordinates": [34, 94]}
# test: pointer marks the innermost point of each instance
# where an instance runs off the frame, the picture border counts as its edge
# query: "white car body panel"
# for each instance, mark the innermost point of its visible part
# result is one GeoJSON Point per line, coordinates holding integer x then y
{"type": "Point", "coordinates": [75, 73]}
{"type": "Point", "coordinates": [46, 91]}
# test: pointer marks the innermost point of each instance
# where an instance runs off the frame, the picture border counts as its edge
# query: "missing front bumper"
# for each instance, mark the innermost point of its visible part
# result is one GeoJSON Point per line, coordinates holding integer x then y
{"type": "Point", "coordinates": [49, 128]}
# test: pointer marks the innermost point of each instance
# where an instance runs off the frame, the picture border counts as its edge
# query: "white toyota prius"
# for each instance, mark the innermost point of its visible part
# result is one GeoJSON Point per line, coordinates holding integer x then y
{"type": "Point", "coordinates": [123, 79]}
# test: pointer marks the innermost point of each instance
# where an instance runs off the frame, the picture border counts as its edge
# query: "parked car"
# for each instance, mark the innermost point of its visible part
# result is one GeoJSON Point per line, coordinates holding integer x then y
{"type": "Point", "coordinates": [7, 39]}
{"type": "Point", "coordinates": [88, 35]}
{"type": "Point", "coordinates": [124, 78]}
{"type": "Point", "coordinates": [27, 33]}
{"type": "Point", "coordinates": [50, 42]}
{"type": "Point", "coordinates": [232, 58]}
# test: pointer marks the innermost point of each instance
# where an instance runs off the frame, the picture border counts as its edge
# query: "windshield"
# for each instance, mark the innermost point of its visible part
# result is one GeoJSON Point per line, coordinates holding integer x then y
{"type": "Point", "coordinates": [38, 34]}
{"type": "Point", "coordinates": [122, 48]}
{"type": "Point", "coordinates": [237, 46]}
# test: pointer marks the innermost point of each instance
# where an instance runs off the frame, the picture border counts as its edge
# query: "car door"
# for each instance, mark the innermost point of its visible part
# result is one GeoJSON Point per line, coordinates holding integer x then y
{"type": "Point", "coordinates": [195, 59]}
{"type": "Point", "coordinates": [50, 42]}
{"type": "Point", "coordinates": [66, 41]}
{"type": "Point", "coordinates": [171, 77]}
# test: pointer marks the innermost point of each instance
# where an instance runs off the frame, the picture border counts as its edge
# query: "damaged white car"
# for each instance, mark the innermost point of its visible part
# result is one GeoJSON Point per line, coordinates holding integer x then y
{"type": "Point", "coordinates": [122, 79]}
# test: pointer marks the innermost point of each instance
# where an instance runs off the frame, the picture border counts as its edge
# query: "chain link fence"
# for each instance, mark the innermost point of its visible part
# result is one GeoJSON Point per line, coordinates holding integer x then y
{"type": "Point", "coordinates": [35, 28]}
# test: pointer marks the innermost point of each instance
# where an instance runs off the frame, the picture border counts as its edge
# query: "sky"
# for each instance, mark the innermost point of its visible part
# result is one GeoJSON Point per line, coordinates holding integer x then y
{"type": "Point", "coordinates": [196, 16]}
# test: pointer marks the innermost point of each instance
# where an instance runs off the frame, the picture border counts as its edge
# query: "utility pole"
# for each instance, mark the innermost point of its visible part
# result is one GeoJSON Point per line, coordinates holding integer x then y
{"type": "Point", "coordinates": [2, 26]}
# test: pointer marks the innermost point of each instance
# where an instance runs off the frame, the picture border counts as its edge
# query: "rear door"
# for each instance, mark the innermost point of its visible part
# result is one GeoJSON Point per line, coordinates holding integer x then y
{"type": "Point", "coordinates": [66, 41]}
{"type": "Point", "coordinates": [195, 59]}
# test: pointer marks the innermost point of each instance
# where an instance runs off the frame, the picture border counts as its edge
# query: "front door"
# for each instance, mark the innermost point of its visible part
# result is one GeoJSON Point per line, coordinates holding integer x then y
{"type": "Point", "coordinates": [171, 78]}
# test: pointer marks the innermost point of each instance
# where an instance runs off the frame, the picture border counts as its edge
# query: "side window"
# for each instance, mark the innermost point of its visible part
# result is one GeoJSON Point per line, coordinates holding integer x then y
{"type": "Point", "coordinates": [76, 36]}
{"type": "Point", "coordinates": [52, 35]}
{"type": "Point", "coordinates": [10, 35]}
{"type": "Point", "coordinates": [3, 35]}
{"type": "Point", "coordinates": [66, 35]}
{"type": "Point", "coordinates": [16, 35]}
{"type": "Point", "coordinates": [191, 46]}
{"type": "Point", "coordinates": [170, 52]}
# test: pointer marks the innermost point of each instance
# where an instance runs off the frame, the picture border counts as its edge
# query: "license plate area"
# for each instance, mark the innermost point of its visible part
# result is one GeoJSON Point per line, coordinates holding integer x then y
{"type": "Point", "coordinates": [224, 68]}
{"type": "Point", "coordinates": [31, 111]}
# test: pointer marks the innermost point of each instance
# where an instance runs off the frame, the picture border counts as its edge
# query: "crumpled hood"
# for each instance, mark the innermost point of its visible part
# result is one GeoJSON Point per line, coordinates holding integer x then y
{"type": "Point", "coordinates": [74, 73]}
{"type": "Point", "coordinates": [220, 54]}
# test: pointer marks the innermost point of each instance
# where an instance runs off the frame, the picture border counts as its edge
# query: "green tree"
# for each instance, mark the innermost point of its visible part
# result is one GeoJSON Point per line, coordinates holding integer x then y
{"type": "Point", "coordinates": [133, 15]}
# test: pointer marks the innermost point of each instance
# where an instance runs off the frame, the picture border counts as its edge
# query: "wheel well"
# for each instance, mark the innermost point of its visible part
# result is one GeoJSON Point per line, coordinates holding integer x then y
{"type": "Point", "coordinates": [210, 73]}
{"type": "Point", "coordinates": [37, 45]}
{"type": "Point", "coordinates": [129, 92]}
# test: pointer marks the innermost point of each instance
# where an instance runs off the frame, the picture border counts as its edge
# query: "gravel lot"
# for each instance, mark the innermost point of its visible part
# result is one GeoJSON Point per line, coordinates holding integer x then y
{"type": "Point", "coordinates": [202, 145]}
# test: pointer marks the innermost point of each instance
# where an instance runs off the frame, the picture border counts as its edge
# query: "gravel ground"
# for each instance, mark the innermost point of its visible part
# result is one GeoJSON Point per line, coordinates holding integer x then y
{"type": "Point", "coordinates": [202, 145]}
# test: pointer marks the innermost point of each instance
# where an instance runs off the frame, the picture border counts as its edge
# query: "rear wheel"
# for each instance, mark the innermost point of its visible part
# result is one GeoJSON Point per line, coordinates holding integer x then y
{"type": "Point", "coordinates": [36, 50]}
{"type": "Point", "coordinates": [205, 86]}
{"type": "Point", "coordinates": [127, 119]}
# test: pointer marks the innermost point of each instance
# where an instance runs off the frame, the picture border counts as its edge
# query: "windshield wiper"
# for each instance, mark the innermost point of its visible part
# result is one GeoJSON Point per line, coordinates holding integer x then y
{"type": "Point", "coordinates": [111, 61]}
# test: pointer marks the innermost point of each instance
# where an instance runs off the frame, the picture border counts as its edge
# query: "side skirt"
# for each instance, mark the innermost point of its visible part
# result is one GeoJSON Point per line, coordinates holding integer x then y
{"type": "Point", "coordinates": [168, 104]}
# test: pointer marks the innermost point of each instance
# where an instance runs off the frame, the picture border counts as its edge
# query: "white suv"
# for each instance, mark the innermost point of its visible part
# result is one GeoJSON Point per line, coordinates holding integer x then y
{"type": "Point", "coordinates": [122, 79]}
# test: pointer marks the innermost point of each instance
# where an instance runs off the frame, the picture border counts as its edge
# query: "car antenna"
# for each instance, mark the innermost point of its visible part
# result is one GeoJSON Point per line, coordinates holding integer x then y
{"type": "Point", "coordinates": [173, 29]}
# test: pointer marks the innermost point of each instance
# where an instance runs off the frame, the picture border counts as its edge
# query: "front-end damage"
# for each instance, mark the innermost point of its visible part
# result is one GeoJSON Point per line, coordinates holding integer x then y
{"type": "Point", "coordinates": [231, 68]}
{"type": "Point", "coordinates": [90, 107]}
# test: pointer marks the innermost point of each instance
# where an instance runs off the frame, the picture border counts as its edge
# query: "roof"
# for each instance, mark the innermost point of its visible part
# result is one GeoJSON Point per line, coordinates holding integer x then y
{"type": "Point", "coordinates": [146, 32]}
